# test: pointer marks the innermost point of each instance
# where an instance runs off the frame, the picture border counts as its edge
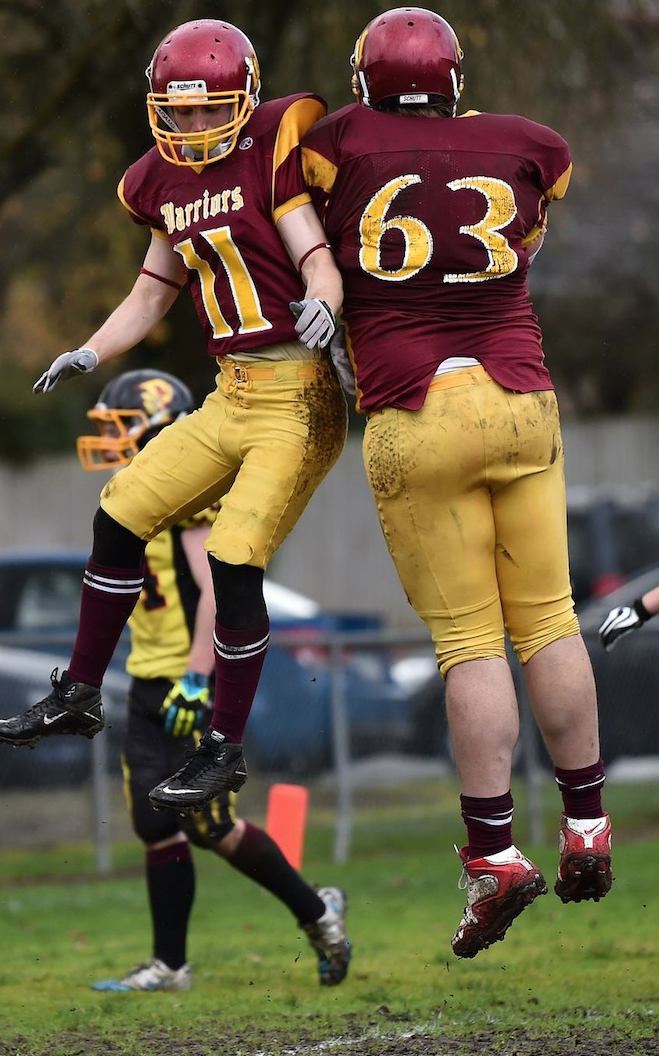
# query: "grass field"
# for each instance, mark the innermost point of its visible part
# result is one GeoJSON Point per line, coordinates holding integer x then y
{"type": "Point", "coordinates": [567, 978]}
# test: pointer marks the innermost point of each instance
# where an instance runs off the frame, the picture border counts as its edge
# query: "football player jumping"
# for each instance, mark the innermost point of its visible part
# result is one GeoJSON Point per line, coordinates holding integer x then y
{"type": "Point", "coordinates": [434, 220]}
{"type": "Point", "coordinates": [171, 657]}
{"type": "Point", "coordinates": [223, 196]}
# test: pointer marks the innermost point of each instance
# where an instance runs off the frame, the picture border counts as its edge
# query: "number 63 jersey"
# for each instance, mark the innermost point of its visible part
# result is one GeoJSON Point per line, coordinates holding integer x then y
{"type": "Point", "coordinates": [434, 223]}
{"type": "Point", "coordinates": [221, 219]}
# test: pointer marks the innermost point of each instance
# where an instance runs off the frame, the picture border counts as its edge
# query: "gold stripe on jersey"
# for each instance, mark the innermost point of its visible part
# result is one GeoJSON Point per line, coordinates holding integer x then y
{"type": "Point", "coordinates": [318, 171]}
{"type": "Point", "coordinates": [292, 203]}
{"type": "Point", "coordinates": [122, 197]}
{"type": "Point", "coordinates": [559, 189]}
{"type": "Point", "coordinates": [298, 119]}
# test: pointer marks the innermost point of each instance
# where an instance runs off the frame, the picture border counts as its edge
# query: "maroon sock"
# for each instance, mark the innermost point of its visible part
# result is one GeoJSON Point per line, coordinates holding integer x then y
{"type": "Point", "coordinates": [489, 823]}
{"type": "Point", "coordinates": [239, 657]}
{"type": "Point", "coordinates": [109, 595]}
{"type": "Point", "coordinates": [582, 790]}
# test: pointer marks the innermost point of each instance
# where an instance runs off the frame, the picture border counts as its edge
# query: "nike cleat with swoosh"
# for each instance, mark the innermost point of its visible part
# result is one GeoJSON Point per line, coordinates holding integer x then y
{"type": "Point", "coordinates": [216, 766]}
{"type": "Point", "coordinates": [70, 708]}
{"type": "Point", "coordinates": [584, 869]}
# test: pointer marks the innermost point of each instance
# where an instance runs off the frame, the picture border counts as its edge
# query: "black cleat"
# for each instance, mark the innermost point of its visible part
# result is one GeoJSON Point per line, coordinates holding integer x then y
{"type": "Point", "coordinates": [216, 766]}
{"type": "Point", "coordinates": [70, 707]}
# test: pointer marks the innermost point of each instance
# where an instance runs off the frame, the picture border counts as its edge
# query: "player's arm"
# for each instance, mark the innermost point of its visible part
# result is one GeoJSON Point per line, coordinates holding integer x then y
{"type": "Point", "coordinates": [185, 707]}
{"type": "Point", "coordinates": [306, 244]}
{"type": "Point", "coordinates": [153, 293]}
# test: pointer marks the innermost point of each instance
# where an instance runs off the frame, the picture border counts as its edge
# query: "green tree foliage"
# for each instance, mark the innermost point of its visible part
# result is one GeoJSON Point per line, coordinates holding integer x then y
{"type": "Point", "coordinates": [75, 118]}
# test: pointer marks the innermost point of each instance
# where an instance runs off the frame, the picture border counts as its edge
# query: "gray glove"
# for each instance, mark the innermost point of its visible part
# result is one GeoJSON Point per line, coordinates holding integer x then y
{"type": "Point", "coordinates": [341, 360]}
{"type": "Point", "coordinates": [618, 623]}
{"type": "Point", "coordinates": [68, 365]}
{"type": "Point", "coordinates": [315, 322]}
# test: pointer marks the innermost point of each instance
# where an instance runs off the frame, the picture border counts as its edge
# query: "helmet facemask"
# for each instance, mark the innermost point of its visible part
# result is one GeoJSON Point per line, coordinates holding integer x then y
{"type": "Point", "coordinates": [204, 64]}
{"type": "Point", "coordinates": [208, 145]}
{"type": "Point", "coordinates": [119, 439]}
{"type": "Point", "coordinates": [132, 409]}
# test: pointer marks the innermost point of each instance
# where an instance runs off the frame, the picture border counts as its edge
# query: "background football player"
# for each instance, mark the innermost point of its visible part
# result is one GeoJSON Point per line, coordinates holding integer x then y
{"type": "Point", "coordinates": [434, 220]}
{"type": "Point", "coordinates": [223, 196]}
{"type": "Point", "coordinates": [170, 660]}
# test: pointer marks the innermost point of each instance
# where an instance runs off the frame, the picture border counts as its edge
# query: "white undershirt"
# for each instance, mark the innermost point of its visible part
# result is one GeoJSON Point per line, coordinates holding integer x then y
{"type": "Point", "coordinates": [456, 363]}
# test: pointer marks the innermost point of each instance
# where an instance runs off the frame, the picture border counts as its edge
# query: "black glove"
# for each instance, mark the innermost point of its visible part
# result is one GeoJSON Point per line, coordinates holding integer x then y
{"type": "Point", "coordinates": [315, 322]}
{"type": "Point", "coordinates": [185, 708]}
{"type": "Point", "coordinates": [68, 365]}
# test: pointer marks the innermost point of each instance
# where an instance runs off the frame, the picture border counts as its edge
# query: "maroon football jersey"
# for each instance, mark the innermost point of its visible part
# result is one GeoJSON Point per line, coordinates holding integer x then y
{"type": "Point", "coordinates": [221, 220]}
{"type": "Point", "coordinates": [432, 222]}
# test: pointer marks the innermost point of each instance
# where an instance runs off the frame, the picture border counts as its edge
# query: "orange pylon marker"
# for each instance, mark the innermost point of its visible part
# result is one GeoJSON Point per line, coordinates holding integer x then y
{"type": "Point", "coordinates": [286, 820]}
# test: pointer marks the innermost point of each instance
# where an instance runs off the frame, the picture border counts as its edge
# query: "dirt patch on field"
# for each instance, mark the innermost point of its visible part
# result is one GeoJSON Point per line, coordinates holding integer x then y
{"type": "Point", "coordinates": [353, 1038]}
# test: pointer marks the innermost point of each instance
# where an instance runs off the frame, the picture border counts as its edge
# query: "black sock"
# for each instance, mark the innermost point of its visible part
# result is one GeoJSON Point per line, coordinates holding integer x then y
{"type": "Point", "coordinates": [170, 880]}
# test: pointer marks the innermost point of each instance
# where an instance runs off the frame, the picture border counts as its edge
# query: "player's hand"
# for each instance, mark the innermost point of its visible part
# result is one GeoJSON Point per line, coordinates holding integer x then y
{"type": "Point", "coordinates": [341, 360]}
{"type": "Point", "coordinates": [68, 365]}
{"type": "Point", "coordinates": [618, 623]}
{"type": "Point", "coordinates": [315, 322]}
{"type": "Point", "coordinates": [185, 708]}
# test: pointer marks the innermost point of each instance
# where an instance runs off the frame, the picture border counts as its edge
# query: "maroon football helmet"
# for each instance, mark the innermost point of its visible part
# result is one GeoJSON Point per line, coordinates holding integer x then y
{"type": "Point", "coordinates": [206, 63]}
{"type": "Point", "coordinates": [408, 56]}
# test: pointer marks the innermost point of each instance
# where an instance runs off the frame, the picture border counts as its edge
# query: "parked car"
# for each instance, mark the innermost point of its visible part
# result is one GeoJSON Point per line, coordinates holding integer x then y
{"type": "Point", "coordinates": [290, 727]}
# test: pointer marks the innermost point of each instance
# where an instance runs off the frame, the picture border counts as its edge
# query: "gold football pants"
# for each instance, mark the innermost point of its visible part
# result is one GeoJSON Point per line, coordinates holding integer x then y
{"type": "Point", "coordinates": [260, 444]}
{"type": "Point", "coordinates": [471, 498]}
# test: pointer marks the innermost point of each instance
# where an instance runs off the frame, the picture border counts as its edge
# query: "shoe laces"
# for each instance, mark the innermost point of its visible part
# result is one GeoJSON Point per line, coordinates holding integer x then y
{"type": "Point", "coordinates": [463, 882]}
{"type": "Point", "coordinates": [198, 760]}
{"type": "Point", "coordinates": [56, 696]}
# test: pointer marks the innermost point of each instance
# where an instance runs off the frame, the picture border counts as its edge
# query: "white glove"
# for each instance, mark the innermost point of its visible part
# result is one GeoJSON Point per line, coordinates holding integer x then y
{"type": "Point", "coordinates": [618, 623]}
{"type": "Point", "coordinates": [315, 322]}
{"type": "Point", "coordinates": [341, 360]}
{"type": "Point", "coordinates": [68, 365]}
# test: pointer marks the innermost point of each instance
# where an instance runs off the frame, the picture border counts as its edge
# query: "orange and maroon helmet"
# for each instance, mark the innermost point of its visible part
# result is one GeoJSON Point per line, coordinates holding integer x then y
{"type": "Point", "coordinates": [407, 57]}
{"type": "Point", "coordinates": [207, 63]}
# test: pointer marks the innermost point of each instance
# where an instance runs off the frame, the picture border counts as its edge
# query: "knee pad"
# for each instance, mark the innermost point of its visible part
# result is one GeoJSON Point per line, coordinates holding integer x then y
{"type": "Point", "coordinates": [114, 546]}
{"type": "Point", "coordinates": [238, 595]}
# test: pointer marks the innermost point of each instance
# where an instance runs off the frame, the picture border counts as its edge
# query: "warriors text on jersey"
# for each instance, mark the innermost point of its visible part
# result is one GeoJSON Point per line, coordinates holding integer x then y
{"type": "Point", "coordinates": [221, 220]}
{"type": "Point", "coordinates": [162, 622]}
{"type": "Point", "coordinates": [405, 201]}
